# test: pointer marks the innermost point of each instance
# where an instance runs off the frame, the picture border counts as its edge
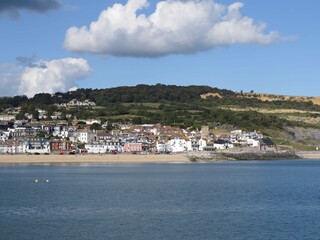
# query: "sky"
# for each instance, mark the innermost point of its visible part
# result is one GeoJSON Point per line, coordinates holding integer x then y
{"type": "Point", "coordinates": [60, 45]}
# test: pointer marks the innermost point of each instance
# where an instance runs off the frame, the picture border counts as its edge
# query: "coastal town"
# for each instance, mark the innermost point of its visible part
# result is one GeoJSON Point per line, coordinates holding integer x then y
{"type": "Point", "coordinates": [39, 135]}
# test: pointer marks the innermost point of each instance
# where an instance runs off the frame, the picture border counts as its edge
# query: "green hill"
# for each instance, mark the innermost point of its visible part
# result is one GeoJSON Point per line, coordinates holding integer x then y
{"type": "Point", "coordinates": [185, 107]}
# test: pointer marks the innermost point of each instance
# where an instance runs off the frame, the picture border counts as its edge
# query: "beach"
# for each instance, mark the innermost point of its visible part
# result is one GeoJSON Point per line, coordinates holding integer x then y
{"type": "Point", "coordinates": [92, 158]}
{"type": "Point", "coordinates": [141, 158]}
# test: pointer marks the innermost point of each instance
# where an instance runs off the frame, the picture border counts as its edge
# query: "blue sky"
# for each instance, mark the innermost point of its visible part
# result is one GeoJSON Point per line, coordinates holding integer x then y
{"type": "Point", "coordinates": [284, 63]}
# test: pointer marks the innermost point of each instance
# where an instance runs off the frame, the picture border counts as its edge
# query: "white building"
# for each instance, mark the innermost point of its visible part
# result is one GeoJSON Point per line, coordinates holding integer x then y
{"type": "Point", "coordinates": [37, 146]}
{"type": "Point", "coordinates": [253, 143]}
{"type": "Point", "coordinates": [84, 136]}
{"type": "Point", "coordinates": [163, 147]}
{"type": "Point", "coordinates": [42, 113]}
{"type": "Point", "coordinates": [11, 148]}
{"type": "Point", "coordinates": [104, 147]}
{"type": "Point", "coordinates": [3, 136]}
{"type": "Point", "coordinates": [95, 148]}
{"type": "Point", "coordinates": [60, 131]}
{"type": "Point", "coordinates": [7, 117]}
{"type": "Point", "coordinates": [202, 144]}
{"type": "Point", "coordinates": [178, 145]}
{"type": "Point", "coordinates": [222, 144]}
{"type": "Point", "coordinates": [91, 121]}
{"type": "Point", "coordinates": [75, 102]}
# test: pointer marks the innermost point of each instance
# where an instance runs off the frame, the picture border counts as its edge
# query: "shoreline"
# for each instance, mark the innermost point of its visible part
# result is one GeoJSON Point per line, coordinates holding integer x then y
{"type": "Point", "coordinates": [94, 159]}
{"type": "Point", "coordinates": [153, 158]}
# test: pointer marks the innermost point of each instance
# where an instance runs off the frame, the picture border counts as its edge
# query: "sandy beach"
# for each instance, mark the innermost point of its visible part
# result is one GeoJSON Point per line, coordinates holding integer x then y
{"type": "Point", "coordinates": [105, 158]}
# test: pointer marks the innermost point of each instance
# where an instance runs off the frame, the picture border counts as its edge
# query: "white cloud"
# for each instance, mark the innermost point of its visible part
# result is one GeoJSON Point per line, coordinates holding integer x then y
{"type": "Point", "coordinates": [175, 27]}
{"type": "Point", "coordinates": [53, 76]}
{"type": "Point", "coordinates": [10, 76]}
{"type": "Point", "coordinates": [42, 76]}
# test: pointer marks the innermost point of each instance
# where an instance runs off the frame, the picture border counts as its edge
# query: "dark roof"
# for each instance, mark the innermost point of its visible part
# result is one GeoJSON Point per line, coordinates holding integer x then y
{"type": "Point", "coordinates": [266, 141]}
{"type": "Point", "coordinates": [221, 141]}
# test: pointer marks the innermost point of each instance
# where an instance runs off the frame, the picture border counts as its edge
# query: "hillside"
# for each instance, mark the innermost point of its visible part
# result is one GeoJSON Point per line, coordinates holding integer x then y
{"type": "Point", "coordinates": [283, 118]}
{"type": "Point", "coordinates": [268, 97]}
{"type": "Point", "coordinates": [273, 97]}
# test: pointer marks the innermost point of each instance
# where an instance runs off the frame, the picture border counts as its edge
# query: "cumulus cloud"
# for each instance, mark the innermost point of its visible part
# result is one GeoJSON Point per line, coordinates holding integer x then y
{"type": "Point", "coordinates": [175, 27]}
{"type": "Point", "coordinates": [10, 78]}
{"type": "Point", "coordinates": [13, 6]}
{"type": "Point", "coordinates": [57, 75]}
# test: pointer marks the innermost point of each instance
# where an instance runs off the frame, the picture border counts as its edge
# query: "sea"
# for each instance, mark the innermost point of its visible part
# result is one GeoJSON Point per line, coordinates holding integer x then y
{"type": "Point", "coordinates": [220, 200]}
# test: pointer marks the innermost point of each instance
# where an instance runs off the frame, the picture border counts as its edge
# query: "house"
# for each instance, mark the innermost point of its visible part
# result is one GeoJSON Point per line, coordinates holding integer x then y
{"type": "Point", "coordinates": [56, 115]}
{"type": "Point", "coordinates": [250, 139]}
{"type": "Point", "coordinates": [103, 136]}
{"type": "Point", "coordinates": [3, 136]}
{"type": "Point", "coordinates": [7, 117]}
{"type": "Point", "coordinates": [75, 102]}
{"type": "Point", "coordinates": [266, 144]}
{"type": "Point", "coordinates": [12, 111]}
{"type": "Point", "coordinates": [60, 131]}
{"type": "Point", "coordinates": [11, 148]}
{"type": "Point", "coordinates": [60, 146]}
{"type": "Point", "coordinates": [202, 144]}
{"type": "Point", "coordinates": [72, 135]}
{"type": "Point", "coordinates": [47, 129]}
{"type": "Point", "coordinates": [96, 148]}
{"type": "Point", "coordinates": [6, 148]}
{"type": "Point", "coordinates": [178, 145]}
{"type": "Point", "coordinates": [193, 145]}
{"type": "Point", "coordinates": [85, 136]}
{"type": "Point", "coordinates": [222, 144]}
{"type": "Point", "coordinates": [42, 113]}
{"type": "Point", "coordinates": [163, 147]}
{"type": "Point", "coordinates": [132, 147]}
{"type": "Point", "coordinates": [196, 144]}
{"type": "Point", "coordinates": [91, 121]}
{"type": "Point", "coordinates": [22, 132]}
{"type": "Point", "coordinates": [37, 146]}
{"type": "Point", "coordinates": [253, 142]}
{"type": "Point", "coordinates": [28, 115]}
{"type": "Point", "coordinates": [114, 146]}
{"type": "Point", "coordinates": [104, 147]}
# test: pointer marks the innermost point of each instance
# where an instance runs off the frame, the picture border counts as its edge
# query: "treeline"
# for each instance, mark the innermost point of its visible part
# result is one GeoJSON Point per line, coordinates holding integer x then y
{"type": "Point", "coordinates": [139, 93]}
{"type": "Point", "coordinates": [158, 93]}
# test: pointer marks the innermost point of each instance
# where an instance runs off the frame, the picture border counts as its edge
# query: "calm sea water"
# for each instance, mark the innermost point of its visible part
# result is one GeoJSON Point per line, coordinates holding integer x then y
{"type": "Point", "coordinates": [227, 200]}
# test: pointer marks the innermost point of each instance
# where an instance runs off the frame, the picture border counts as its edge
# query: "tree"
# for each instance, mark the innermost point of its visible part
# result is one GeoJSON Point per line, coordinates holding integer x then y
{"type": "Point", "coordinates": [137, 120]}
{"type": "Point", "coordinates": [109, 126]}
{"type": "Point", "coordinates": [81, 124]}
{"type": "Point", "coordinates": [96, 126]}
{"type": "Point", "coordinates": [35, 114]}
{"type": "Point", "coordinates": [21, 116]}
{"type": "Point", "coordinates": [42, 98]}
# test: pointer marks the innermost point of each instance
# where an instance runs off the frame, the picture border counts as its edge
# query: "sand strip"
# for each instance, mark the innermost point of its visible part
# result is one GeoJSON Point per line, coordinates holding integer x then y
{"type": "Point", "coordinates": [105, 158]}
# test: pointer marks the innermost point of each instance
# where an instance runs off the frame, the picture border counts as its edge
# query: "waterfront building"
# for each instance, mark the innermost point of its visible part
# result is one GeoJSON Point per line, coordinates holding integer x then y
{"type": "Point", "coordinates": [37, 146]}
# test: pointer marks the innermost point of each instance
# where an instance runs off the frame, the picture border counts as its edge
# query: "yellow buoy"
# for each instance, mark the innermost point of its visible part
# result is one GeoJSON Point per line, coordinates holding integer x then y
{"type": "Point", "coordinates": [47, 180]}
{"type": "Point", "coordinates": [37, 180]}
